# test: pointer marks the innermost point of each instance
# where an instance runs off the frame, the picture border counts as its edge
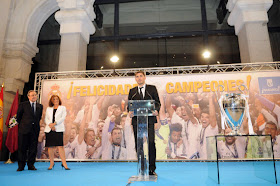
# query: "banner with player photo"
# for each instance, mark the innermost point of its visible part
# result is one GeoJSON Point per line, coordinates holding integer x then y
{"type": "Point", "coordinates": [189, 114]}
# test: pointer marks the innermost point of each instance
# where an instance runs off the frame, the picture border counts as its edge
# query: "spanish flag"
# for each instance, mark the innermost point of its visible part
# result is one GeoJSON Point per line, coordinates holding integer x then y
{"type": "Point", "coordinates": [1, 117]}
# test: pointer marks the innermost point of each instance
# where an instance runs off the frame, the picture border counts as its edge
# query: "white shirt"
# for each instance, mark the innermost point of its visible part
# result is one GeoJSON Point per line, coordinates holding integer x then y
{"type": "Point", "coordinates": [190, 134]}
{"type": "Point", "coordinates": [276, 110]}
{"type": "Point", "coordinates": [71, 149]}
{"type": "Point", "coordinates": [130, 152]}
{"type": "Point", "coordinates": [94, 117]}
{"type": "Point", "coordinates": [113, 152]}
{"type": "Point", "coordinates": [34, 105]}
{"type": "Point", "coordinates": [142, 89]}
{"type": "Point", "coordinates": [204, 133]}
{"type": "Point", "coordinates": [176, 151]}
{"type": "Point", "coordinates": [82, 151]}
{"type": "Point", "coordinates": [129, 139]}
{"type": "Point", "coordinates": [276, 148]}
{"type": "Point", "coordinates": [236, 150]}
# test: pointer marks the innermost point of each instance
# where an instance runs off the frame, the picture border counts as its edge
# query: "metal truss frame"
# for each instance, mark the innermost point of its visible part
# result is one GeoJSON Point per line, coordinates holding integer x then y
{"type": "Point", "coordinates": [178, 70]}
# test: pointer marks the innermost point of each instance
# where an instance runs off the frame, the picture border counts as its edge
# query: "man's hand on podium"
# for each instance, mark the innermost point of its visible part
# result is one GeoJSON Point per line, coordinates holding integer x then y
{"type": "Point", "coordinates": [155, 113]}
{"type": "Point", "coordinates": [131, 114]}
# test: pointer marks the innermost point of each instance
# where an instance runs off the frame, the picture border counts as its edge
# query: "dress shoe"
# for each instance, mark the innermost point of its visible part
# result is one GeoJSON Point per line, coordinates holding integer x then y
{"type": "Point", "coordinates": [32, 168]}
{"type": "Point", "coordinates": [64, 167]}
{"type": "Point", "coordinates": [152, 173]}
{"type": "Point", "coordinates": [51, 168]}
{"type": "Point", "coordinates": [20, 169]}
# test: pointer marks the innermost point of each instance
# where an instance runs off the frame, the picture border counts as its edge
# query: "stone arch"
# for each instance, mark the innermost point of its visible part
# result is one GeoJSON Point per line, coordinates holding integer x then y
{"type": "Point", "coordinates": [20, 44]}
{"type": "Point", "coordinates": [37, 18]}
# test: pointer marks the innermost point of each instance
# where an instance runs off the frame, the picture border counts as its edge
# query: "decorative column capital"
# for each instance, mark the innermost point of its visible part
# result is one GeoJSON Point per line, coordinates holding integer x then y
{"type": "Point", "coordinates": [17, 58]}
{"type": "Point", "coordinates": [15, 49]}
{"type": "Point", "coordinates": [244, 11]}
{"type": "Point", "coordinates": [76, 16]}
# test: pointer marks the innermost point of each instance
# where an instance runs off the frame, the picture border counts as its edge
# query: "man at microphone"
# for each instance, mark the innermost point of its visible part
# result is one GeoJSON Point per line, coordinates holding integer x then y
{"type": "Point", "coordinates": [146, 92]}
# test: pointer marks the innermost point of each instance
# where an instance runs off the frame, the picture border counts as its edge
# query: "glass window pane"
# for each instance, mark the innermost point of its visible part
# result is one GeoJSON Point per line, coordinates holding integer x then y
{"type": "Point", "coordinates": [160, 16]}
{"type": "Point", "coordinates": [274, 14]}
{"type": "Point", "coordinates": [224, 49]}
{"type": "Point", "coordinates": [177, 51]}
{"type": "Point", "coordinates": [184, 51]}
{"type": "Point", "coordinates": [98, 55]}
{"type": "Point", "coordinates": [107, 21]}
{"type": "Point", "coordinates": [275, 45]}
{"type": "Point", "coordinates": [143, 53]}
{"type": "Point", "coordinates": [217, 15]}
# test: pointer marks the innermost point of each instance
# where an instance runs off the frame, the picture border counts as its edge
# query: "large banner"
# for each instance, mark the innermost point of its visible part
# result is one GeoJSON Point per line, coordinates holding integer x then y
{"type": "Point", "coordinates": [189, 114]}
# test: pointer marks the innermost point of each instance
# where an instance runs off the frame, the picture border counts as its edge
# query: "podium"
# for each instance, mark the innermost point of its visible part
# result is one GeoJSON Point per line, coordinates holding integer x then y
{"type": "Point", "coordinates": [142, 109]}
{"type": "Point", "coordinates": [253, 158]}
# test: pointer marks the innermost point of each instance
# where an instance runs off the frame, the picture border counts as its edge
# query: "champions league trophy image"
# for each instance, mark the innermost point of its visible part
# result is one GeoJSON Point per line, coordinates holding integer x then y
{"type": "Point", "coordinates": [234, 107]}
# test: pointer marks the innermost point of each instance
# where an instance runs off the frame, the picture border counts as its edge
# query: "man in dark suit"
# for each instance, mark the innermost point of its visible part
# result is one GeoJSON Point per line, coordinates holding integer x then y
{"type": "Point", "coordinates": [28, 117]}
{"type": "Point", "coordinates": [146, 92]}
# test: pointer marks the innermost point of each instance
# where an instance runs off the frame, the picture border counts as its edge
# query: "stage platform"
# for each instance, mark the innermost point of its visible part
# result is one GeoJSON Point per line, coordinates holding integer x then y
{"type": "Point", "coordinates": [118, 173]}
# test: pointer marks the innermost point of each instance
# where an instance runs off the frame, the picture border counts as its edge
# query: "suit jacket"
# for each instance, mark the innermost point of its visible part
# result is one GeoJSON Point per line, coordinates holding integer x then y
{"type": "Point", "coordinates": [150, 94]}
{"type": "Point", "coordinates": [60, 116]}
{"type": "Point", "coordinates": [27, 119]}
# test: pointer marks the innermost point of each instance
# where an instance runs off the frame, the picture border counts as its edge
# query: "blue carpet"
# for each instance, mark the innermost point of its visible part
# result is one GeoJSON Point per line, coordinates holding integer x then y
{"type": "Point", "coordinates": [117, 173]}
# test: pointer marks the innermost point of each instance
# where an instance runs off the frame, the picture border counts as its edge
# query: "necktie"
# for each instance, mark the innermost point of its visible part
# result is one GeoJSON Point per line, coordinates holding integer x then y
{"type": "Point", "coordinates": [141, 94]}
{"type": "Point", "coordinates": [33, 108]}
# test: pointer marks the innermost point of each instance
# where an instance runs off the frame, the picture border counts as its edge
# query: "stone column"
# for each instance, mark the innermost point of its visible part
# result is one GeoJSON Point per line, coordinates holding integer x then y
{"type": "Point", "coordinates": [4, 14]}
{"type": "Point", "coordinates": [75, 18]}
{"type": "Point", "coordinates": [17, 58]}
{"type": "Point", "coordinates": [249, 17]}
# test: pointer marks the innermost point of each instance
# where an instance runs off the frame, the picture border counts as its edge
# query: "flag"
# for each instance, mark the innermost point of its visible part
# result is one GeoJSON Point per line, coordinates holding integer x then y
{"type": "Point", "coordinates": [1, 117]}
{"type": "Point", "coordinates": [11, 123]}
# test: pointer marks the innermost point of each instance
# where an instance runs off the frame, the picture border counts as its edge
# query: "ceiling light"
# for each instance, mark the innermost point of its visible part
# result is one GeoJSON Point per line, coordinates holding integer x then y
{"type": "Point", "coordinates": [114, 59]}
{"type": "Point", "coordinates": [206, 54]}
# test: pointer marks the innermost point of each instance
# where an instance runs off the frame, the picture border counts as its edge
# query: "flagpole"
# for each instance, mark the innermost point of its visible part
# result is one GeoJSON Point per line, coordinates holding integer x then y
{"type": "Point", "coordinates": [9, 161]}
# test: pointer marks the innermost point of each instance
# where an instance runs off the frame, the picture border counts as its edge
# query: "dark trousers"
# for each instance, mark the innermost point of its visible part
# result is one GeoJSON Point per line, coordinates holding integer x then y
{"type": "Point", "coordinates": [27, 142]}
{"type": "Point", "coordinates": [151, 144]}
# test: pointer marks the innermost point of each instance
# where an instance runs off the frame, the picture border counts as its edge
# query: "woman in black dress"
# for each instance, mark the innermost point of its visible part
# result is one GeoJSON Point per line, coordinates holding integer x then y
{"type": "Point", "coordinates": [54, 119]}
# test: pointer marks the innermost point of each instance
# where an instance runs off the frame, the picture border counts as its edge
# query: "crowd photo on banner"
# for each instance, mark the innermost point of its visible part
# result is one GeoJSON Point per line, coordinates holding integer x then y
{"type": "Point", "coordinates": [98, 127]}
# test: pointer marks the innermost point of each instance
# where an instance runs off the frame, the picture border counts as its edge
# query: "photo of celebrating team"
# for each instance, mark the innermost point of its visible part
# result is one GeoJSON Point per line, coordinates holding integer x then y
{"type": "Point", "coordinates": [98, 125]}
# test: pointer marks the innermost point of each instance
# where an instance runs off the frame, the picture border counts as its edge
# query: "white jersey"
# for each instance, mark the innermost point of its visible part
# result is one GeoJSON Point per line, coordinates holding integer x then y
{"type": "Point", "coordinates": [276, 111]}
{"type": "Point", "coordinates": [94, 117]}
{"type": "Point", "coordinates": [113, 152]}
{"type": "Point", "coordinates": [129, 139]}
{"type": "Point", "coordinates": [79, 116]}
{"type": "Point", "coordinates": [236, 150]}
{"type": "Point", "coordinates": [190, 135]}
{"type": "Point", "coordinates": [204, 133]}
{"type": "Point", "coordinates": [82, 150]}
{"type": "Point", "coordinates": [71, 148]}
{"type": "Point", "coordinates": [176, 151]}
{"type": "Point", "coordinates": [276, 147]}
